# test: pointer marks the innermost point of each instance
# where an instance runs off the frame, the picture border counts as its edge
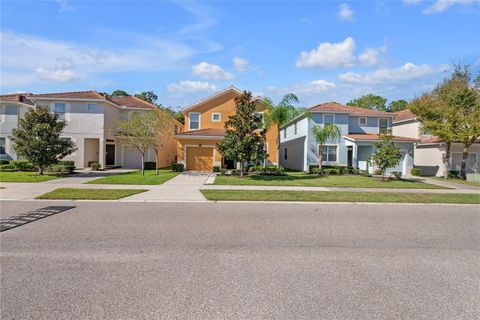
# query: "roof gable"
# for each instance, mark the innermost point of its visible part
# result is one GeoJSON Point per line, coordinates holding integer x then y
{"type": "Point", "coordinates": [404, 115]}
{"type": "Point", "coordinates": [340, 108]}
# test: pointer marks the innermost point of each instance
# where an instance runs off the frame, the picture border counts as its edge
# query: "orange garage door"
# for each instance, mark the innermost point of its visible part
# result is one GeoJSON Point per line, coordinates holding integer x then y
{"type": "Point", "coordinates": [199, 158]}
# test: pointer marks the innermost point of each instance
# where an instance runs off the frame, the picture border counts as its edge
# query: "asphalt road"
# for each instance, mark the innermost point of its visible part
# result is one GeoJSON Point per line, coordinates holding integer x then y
{"type": "Point", "coordinates": [242, 261]}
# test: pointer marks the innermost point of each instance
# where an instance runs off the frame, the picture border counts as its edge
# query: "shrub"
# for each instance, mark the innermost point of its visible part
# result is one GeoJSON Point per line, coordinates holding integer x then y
{"type": "Point", "coordinates": [331, 171]}
{"type": "Point", "coordinates": [453, 174]}
{"type": "Point", "coordinates": [216, 169]}
{"type": "Point", "coordinates": [272, 171]}
{"type": "Point", "coordinates": [315, 170]}
{"type": "Point", "coordinates": [60, 168]}
{"type": "Point", "coordinates": [95, 166]}
{"type": "Point", "coordinates": [7, 167]}
{"type": "Point", "coordinates": [377, 172]}
{"type": "Point", "coordinates": [178, 167]}
{"type": "Point", "coordinates": [416, 172]}
{"type": "Point", "coordinates": [256, 168]}
{"type": "Point", "coordinates": [233, 172]}
{"type": "Point", "coordinates": [150, 165]}
{"type": "Point", "coordinates": [363, 172]}
{"type": "Point", "coordinates": [22, 165]}
{"type": "Point", "coordinates": [223, 172]}
{"type": "Point", "coordinates": [4, 162]}
{"type": "Point", "coordinates": [397, 175]}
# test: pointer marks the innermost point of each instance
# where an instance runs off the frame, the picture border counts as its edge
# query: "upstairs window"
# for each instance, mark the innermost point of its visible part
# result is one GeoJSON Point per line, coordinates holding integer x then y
{"type": "Point", "coordinates": [194, 122]}
{"type": "Point", "coordinates": [216, 117]}
{"type": "Point", "coordinates": [328, 119]}
{"type": "Point", "coordinates": [330, 153]}
{"type": "Point", "coordinates": [285, 133]}
{"type": "Point", "coordinates": [91, 107]}
{"type": "Point", "coordinates": [2, 146]}
{"type": "Point", "coordinates": [59, 108]}
{"type": "Point", "coordinates": [383, 125]}
{"type": "Point", "coordinates": [362, 121]}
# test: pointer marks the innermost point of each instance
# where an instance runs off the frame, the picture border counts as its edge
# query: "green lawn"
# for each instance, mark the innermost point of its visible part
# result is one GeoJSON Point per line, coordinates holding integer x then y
{"type": "Point", "coordinates": [89, 194]}
{"type": "Point", "coordinates": [460, 181]}
{"type": "Point", "coordinates": [338, 196]}
{"type": "Point", "coordinates": [19, 176]}
{"type": "Point", "coordinates": [306, 180]}
{"type": "Point", "coordinates": [135, 177]}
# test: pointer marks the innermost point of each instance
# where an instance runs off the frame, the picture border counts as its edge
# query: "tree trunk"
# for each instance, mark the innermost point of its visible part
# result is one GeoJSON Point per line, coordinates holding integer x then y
{"type": "Point", "coordinates": [156, 162]}
{"type": "Point", "coordinates": [463, 166]}
{"type": "Point", "coordinates": [446, 159]}
{"type": "Point", "coordinates": [278, 147]}
{"type": "Point", "coordinates": [241, 169]}
{"type": "Point", "coordinates": [143, 163]}
{"type": "Point", "coordinates": [320, 157]}
{"type": "Point", "coordinates": [40, 170]}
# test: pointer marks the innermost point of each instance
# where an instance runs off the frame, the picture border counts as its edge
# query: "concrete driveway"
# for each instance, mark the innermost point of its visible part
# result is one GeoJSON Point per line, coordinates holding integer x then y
{"type": "Point", "coordinates": [105, 260]}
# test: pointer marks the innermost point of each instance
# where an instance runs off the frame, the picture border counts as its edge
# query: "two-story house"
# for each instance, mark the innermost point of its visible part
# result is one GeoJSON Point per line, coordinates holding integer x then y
{"type": "Point", "coordinates": [430, 150]}
{"type": "Point", "coordinates": [360, 129]}
{"type": "Point", "coordinates": [90, 119]}
{"type": "Point", "coordinates": [205, 127]}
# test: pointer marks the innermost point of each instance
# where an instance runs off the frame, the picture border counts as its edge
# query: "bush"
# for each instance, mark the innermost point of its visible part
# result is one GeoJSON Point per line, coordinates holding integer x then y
{"type": "Point", "coordinates": [223, 172]}
{"type": "Point", "coordinates": [60, 168]}
{"type": "Point", "coordinates": [377, 172]}
{"type": "Point", "coordinates": [363, 172]}
{"type": "Point", "coordinates": [4, 162]}
{"type": "Point", "coordinates": [216, 168]}
{"type": "Point", "coordinates": [416, 172]}
{"type": "Point", "coordinates": [150, 165]}
{"type": "Point", "coordinates": [256, 168]}
{"type": "Point", "coordinates": [95, 166]}
{"type": "Point", "coordinates": [272, 171]}
{"type": "Point", "coordinates": [331, 171]}
{"type": "Point", "coordinates": [316, 170]}
{"type": "Point", "coordinates": [22, 165]}
{"type": "Point", "coordinates": [453, 174]}
{"type": "Point", "coordinates": [7, 167]}
{"type": "Point", "coordinates": [397, 175]}
{"type": "Point", "coordinates": [178, 167]}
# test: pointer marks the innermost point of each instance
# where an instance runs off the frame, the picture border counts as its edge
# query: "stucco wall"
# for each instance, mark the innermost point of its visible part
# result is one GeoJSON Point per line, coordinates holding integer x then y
{"type": "Point", "coordinates": [410, 129]}
{"type": "Point", "coordinates": [295, 149]}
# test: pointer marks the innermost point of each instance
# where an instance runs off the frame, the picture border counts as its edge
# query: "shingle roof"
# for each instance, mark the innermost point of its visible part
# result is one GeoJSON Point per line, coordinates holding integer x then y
{"type": "Point", "coordinates": [374, 136]}
{"type": "Point", "coordinates": [73, 95]}
{"type": "Point", "coordinates": [404, 115]}
{"type": "Point", "coordinates": [336, 107]}
{"type": "Point", "coordinates": [17, 97]}
{"type": "Point", "coordinates": [204, 132]}
{"type": "Point", "coordinates": [133, 102]}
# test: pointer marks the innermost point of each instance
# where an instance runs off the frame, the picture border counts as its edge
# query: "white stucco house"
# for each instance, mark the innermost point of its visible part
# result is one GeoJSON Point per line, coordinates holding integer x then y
{"type": "Point", "coordinates": [360, 129]}
{"type": "Point", "coordinates": [430, 150]}
{"type": "Point", "coordinates": [90, 121]}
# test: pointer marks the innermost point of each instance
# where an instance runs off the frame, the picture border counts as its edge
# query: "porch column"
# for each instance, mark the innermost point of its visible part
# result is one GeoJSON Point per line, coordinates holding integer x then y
{"type": "Point", "coordinates": [101, 152]}
{"type": "Point", "coordinates": [354, 156]}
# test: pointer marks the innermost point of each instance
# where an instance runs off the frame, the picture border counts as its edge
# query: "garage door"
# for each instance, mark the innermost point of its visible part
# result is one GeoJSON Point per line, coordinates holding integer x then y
{"type": "Point", "coordinates": [132, 158]}
{"type": "Point", "coordinates": [199, 158]}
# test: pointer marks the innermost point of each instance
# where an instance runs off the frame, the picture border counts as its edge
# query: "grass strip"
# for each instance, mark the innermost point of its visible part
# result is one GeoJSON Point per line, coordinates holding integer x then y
{"type": "Point", "coordinates": [136, 178]}
{"type": "Point", "coordinates": [339, 196]}
{"type": "Point", "coordinates": [21, 176]}
{"type": "Point", "coordinates": [89, 194]}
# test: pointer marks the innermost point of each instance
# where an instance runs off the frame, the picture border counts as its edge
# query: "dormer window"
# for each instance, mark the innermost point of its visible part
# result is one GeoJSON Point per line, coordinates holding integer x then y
{"type": "Point", "coordinates": [194, 121]}
{"type": "Point", "coordinates": [362, 121]}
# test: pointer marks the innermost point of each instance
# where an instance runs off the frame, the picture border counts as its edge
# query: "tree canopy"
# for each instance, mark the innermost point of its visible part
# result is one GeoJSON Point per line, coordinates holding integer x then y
{"type": "Point", "coordinates": [148, 96]}
{"type": "Point", "coordinates": [387, 155]}
{"type": "Point", "coordinates": [397, 105]}
{"type": "Point", "coordinates": [369, 101]}
{"type": "Point", "coordinates": [38, 138]}
{"type": "Point", "coordinates": [119, 93]}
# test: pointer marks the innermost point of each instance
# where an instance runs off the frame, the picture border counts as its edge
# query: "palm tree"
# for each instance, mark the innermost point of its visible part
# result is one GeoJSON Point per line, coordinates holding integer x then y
{"type": "Point", "coordinates": [280, 114]}
{"type": "Point", "coordinates": [324, 134]}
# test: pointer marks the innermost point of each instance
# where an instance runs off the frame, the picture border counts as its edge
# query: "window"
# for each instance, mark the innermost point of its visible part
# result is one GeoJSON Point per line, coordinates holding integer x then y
{"type": "Point", "coordinates": [383, 125]}
{"type": "Point", "coordinates": [216, 116]}
{"type": "Point", "coordinates": [91, 107]}
{"type": "Point", "coordinates": [328, 119]}
{"type": "Point", "coordinates": [295, 128]}
{"type": "Point", "coordinates": [330, 153]}
{"type": "Point", "coordinates": [59, 108]}
{"type": "Point", "coordinates": [194, 122]}
{"type": "Point", "coordinates": [2, 146]}
{"type": "Point", "coordinates": [11, 110]}
{"type": "Point", "coordinates": [285, 153]}
{"type": "Point", "coordinates": [285, 133]}
{"type": "Point", "coordinates": [362, 121]}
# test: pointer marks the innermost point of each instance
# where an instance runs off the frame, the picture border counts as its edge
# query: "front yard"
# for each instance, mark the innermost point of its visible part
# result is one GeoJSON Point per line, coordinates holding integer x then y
{"type": "Point", "coordinates": [301, 179]}
{"type": "Point", "coordinates": [89, 194]}
{"type": "Point", "coordinates": [338, 196]}
{"type": "Point", "coordinates": [459, 181]}
{"type": "Point", "coordinates": [21, 176]}
{"type": "Point", "coordinates": [135, 177]}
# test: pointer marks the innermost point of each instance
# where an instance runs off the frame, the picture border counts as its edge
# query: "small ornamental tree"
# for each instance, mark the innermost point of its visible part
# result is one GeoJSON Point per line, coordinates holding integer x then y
{"type": "Point", "coordinates": [38, 140]}
{"type": "Point", "coordinates": [163, 128]}
{"type": "Point", "coordinates": [137, 131]}
{"type": "Point", "coordinates": [244, 138]}
{"type": "Point", "coordinates": [323, 134]}
{"type": "Point", "coordinates": [387, 154]}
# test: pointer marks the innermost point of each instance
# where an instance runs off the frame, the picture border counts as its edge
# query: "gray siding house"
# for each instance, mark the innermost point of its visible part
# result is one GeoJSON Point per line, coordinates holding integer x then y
{"type": "Point", "coordinates": [360, 129]}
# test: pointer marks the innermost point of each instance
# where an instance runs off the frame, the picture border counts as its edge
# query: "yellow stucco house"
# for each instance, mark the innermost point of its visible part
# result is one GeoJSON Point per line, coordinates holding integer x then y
{"type": "Point", "coordinates": [204, 128]}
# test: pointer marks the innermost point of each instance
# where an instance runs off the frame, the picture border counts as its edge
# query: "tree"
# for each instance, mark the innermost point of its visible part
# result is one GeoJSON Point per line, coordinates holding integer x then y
{"type": "Point", "coordinates": [323, 134]}
{"type": "Point", "coordinates": [387, 155]}
{"type": "Point", "coordinates": [148, 96]}
{"type": "Point", "coordinates": [119, 93]}
{"type": "Point", "coordinates": [163, 128]}
{"type": "Point", "coordinates": [397, 105]}
{"type": "Point", "coordinates": [137, 131]}
{"type": "Point", "coordinates": [369, 101]}
{"type": "Point", "coordinates": [37, 138]}
{"type": "Point", "coordinates": [280, 114]}
{"type": "Point", "coordinates": [451, 112]}
{"type": "Point", "coordinates": [244, 138]}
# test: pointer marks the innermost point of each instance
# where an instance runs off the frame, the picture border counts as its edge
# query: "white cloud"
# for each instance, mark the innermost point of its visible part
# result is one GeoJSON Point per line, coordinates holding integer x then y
{"type": "Point", "coordinates": [341, 54]}
{"type": "Point", "coordinates": [188, 86]}
{"type": "Point", "coordinates": [64, 6]}
{"type": "Point", "coordinates": [57, 75]}
{"type": "Point", "coordinates": [411, 2]}
{"type": "Point", "coordinates": [441, 5]}
{"type": "Point", "coordinates": [344, 12]}
{"type": "Point", "coordinates": [211, 72]}
{"type": "Point", "coordinates": [240, 64]}
{"type": "Point", "coordinates": [316, 86]}
{"type": "Point", "coordinates": [407, 72]}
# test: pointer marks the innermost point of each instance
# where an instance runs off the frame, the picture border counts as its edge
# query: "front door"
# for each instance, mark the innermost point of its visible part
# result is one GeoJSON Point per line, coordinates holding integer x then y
{"type": "Point", "coordinates": [349, 156]}
{"type": "Point", "coordinates": [110, 158]}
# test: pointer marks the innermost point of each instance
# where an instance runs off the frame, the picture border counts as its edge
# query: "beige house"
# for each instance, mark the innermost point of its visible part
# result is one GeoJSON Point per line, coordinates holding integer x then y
{"type": "Point", "coordinates": [430, 150]}
{"type": "Point", "coordinates": [90, 119]}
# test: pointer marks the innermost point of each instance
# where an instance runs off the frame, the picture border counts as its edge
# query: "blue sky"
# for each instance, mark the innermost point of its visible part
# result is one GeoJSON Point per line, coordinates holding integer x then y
{"type": "Point", "coordinates": [322, 51]}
